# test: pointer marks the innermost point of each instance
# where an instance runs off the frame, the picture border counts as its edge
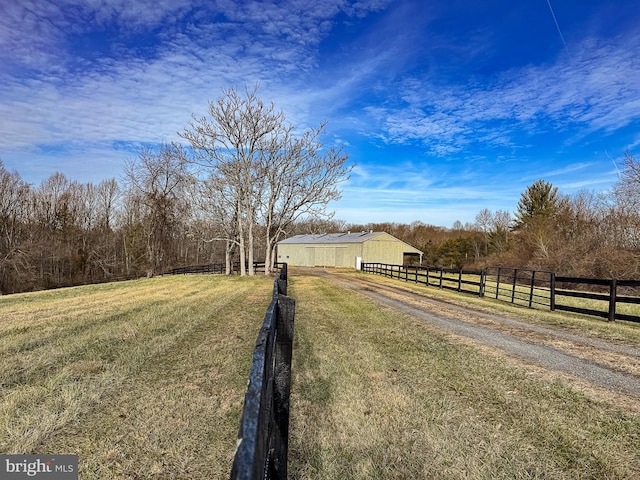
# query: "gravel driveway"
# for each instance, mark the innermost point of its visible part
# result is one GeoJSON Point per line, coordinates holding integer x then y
{"type": "Point", "coordinates": [605, 364]}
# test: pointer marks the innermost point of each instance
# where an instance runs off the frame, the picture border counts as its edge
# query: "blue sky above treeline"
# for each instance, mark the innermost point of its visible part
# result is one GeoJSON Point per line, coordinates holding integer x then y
{"type": "Point", "coordinates": [446, 107]}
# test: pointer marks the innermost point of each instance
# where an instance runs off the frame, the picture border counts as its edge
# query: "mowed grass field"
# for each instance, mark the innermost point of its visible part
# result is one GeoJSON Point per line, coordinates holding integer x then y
{"type": "Point", "coordinates": [379, 395]}
{"type": "Point", "coordinates": [141, 379]}
{"type": "Point", "coordinates": [146, 379]}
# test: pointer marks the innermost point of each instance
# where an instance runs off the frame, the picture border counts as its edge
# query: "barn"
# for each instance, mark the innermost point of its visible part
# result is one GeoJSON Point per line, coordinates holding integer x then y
{"type": "Point", "coordinates": [345, 250]}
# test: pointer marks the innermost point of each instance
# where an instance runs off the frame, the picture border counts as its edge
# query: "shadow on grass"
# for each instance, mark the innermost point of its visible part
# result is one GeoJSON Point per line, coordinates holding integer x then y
{"type": "Point", "coordinates": [312, 393]}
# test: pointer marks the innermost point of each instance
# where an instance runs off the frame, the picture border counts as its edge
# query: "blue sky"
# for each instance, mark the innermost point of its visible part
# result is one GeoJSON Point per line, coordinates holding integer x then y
{"type": "Point", "coordinates": [446, 106]}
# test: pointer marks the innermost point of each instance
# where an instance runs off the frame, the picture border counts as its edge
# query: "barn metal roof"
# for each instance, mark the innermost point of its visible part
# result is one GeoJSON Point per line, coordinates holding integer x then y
{"type": "Point", "coordinates": [357, 237]}
{"type": "Point", "coordinates": [349, 237]}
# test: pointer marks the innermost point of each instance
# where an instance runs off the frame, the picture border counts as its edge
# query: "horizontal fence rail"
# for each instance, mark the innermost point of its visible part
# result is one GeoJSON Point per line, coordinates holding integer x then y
{"type": "Point", "coordinates": [216, 269]}
{"type": "Point", "coordinates": [469, 281]}
{"type": "Point", "coordinates": [607, 297]}
{"type": "Point", "coordinates": [530, 288]}
{"type": "Point", "coordinates": [263, 437]}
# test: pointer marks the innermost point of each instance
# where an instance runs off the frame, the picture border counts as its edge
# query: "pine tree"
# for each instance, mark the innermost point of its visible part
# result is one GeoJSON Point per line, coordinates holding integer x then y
{"type": "Point", "coordinates": [538, 202]}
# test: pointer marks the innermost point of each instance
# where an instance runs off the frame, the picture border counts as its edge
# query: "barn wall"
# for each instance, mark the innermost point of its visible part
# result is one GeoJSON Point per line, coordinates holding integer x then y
{"type": "Point", "coordinates": [321, 255]}
{"type": "Point", "coordinates": [382, 248]}
{"type": "Point", "coordinates": [295, 254]}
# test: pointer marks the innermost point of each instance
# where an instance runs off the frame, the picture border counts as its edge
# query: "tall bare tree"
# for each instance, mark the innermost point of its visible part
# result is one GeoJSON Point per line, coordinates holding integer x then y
{"type": "Point", "coordinates": [15, 262]}
{"type": "Point", "coordinates": [214, 200]}
{"type": "Point", "coordinates": [157, 180]}
{"type": "Point", "coordinates": [301, 179]}
{"type": "Point", "coordinates": [499, 233]}
{"type": "Point", "coordinates": [626, 211]}
{"type": "Point", "coordinates": [230, 141]}
{"type": "Point", "coordinates": [255, 161]}
{"type": "Point", "coordinates": [628, 185]}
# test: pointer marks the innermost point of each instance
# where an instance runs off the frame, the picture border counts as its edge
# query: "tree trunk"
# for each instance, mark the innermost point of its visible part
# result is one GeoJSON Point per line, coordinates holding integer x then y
{"type": "Point", "coordinates": [272, 262]}
{"type": "Point", "coordinates": [250, 247]}
{"type": "Point", "coordinates": [227, 258]}
{"type": "Point", "coordinates": [268, 263]}
{"type": "Point", "coordinates": [241, 245]}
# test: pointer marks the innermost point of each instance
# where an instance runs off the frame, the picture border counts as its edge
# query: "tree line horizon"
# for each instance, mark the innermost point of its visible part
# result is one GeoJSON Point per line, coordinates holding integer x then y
{"type": "Point", "coordinates": [246, 178]}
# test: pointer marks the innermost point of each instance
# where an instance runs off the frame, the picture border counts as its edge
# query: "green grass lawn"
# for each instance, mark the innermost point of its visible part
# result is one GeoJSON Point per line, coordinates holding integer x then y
{"type": "Point", "coordinates": [378, 395]}
{"type": "Point", "coordinates": [146, 379]}
{"type": "Point", "coordinates": [141, 379]}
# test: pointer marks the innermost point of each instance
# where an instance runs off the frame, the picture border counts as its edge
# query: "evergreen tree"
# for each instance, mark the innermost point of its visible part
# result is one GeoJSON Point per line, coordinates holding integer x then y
{"type": "Point", "coordinates": [538, 202]}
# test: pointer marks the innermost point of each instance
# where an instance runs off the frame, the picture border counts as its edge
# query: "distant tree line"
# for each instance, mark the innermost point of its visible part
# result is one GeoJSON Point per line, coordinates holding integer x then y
{"type": "Point", "coordinates": [240, 182]}
{"type": "Point", "coordinates": [244, 179]}
{"type": "Point", "coordinates": [585, 234]}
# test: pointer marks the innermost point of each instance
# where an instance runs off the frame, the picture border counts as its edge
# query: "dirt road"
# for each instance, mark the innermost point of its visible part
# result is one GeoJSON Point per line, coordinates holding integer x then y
{"type": "Point", "coordinates": [592, 363]}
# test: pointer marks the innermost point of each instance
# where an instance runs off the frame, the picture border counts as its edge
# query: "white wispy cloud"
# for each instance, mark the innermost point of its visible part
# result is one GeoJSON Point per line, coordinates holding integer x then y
{"type": "Point", "coordinates": [136, 97]}
{"type": "Point", "coordinates": [597, 90]}
{"type": "Point", "coordinates": [62, 103]}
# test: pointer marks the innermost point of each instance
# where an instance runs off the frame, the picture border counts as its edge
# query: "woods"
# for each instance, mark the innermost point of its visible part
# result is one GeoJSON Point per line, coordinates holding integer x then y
{"type": "Point", "coordinates": [245, 178]}
{"type": "Point", "coordinates": [163, 215]}
{"type": "Point", "coordinates": [240, 182]}
{"type": "Point", "coordinates": [585, 234]}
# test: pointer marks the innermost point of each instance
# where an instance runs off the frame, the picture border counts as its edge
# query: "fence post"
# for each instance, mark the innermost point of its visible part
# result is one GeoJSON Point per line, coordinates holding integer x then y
{"type": "Point", "coordinates": [460, 280]}
{"type": "Point", "coordinates": [533, 279]}
{"type": "Point", "coordinates": [282, 280]}
{"type": "Point", "coordinates": [441, 272]}
{"type": "Point", "coordinates": [498, 283]}
{"type": "Point", "coordinates": [612, 299]}
{"type": "Point", "coordinates": [513, 286]}
{"type": "Point", "coordinates": [552, 292]}
{"type": "Point", "coordinates": [483, 282]}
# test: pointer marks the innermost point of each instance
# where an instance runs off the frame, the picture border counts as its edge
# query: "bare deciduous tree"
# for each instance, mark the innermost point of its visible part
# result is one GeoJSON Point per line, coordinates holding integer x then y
{"type": "Point", "coordinates": [15, 264]}
{"type": "Point", "coordinates": [230, 141]}
{"type": "Point", "coordinates": [301, 179]}
{"type": "Point", "coordinates": [269, 174]}
{"type": "Point", "coordinates": [215, 200]}
{"type": "Point", "coordinates": [157, 181]}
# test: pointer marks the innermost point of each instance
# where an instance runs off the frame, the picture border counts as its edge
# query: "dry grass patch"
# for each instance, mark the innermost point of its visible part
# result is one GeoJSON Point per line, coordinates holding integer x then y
{"type": "Point", "coordinates": [377, 394]}
{"type": "Point", "coordinates": [141, 379]}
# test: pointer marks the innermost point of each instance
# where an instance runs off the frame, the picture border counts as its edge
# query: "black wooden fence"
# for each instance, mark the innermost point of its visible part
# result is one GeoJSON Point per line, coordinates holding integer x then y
{"type": "Point", "coordinates": [531, 288]}
{"type": "Point", "coordinates": [470, 281]}
{"type": "Point", "coordinates": [608, 295]}
{"type": "Point", "coordinates": [263, 437]}
{"type": "Point", "coordinates": [213, 268]}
